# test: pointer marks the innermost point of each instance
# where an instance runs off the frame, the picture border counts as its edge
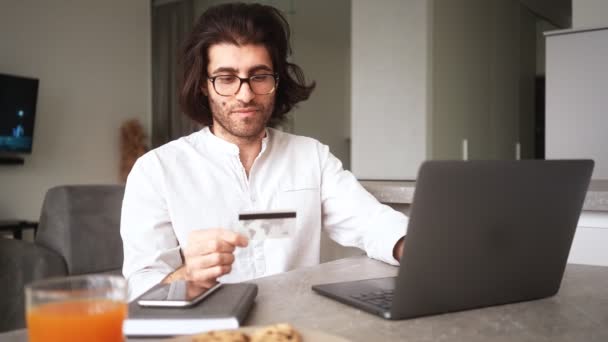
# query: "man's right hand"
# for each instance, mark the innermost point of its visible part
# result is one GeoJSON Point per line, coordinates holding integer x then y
{"type": "Point", "coordinates": [208, 255]}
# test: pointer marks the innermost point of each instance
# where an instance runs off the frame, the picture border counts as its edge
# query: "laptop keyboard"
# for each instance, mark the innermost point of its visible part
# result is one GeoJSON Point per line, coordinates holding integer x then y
{"type": "Point", "coordinates": [381, 299]}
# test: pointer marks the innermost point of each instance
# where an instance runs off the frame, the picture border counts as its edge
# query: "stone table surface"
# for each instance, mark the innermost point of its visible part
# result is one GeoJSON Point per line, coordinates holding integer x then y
{"type": "Point", "coordinates": [579, 312]}
{"type": "Point", "coordinates": [387, 191]}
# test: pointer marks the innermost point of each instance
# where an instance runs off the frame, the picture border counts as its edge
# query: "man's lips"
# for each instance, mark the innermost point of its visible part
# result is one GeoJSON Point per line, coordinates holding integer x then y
{"type": "Point", "coordinates": [245, 111]}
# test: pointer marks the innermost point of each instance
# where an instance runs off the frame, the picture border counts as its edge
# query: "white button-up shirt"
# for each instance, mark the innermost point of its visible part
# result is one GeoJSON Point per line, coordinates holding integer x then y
{"type": "Point", "coordinates": [198, 182]}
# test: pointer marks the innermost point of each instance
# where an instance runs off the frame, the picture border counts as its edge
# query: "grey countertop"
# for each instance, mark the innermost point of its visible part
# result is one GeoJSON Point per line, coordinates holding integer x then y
{"type": "Point", "coordinates": [387, 191]}
{"type": "Point", "coordinates": [579, 312]}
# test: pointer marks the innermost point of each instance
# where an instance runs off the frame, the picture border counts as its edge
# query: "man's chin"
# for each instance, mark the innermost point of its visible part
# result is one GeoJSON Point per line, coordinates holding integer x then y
{"type": "Point", "coordinates": [248, 131]}
{"type": "Point", "coordinates": [244, 128]}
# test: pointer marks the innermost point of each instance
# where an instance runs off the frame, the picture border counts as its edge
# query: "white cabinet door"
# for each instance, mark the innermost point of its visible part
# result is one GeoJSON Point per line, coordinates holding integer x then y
{"type": "Point", "coordinates": [590, 245]}
{"type": "Point", "coordinates": [577, 101]}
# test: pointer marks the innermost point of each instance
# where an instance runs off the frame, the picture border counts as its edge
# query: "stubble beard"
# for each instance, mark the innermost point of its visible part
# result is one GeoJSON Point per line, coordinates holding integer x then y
{"type": "Point", "coordinates": [248, 128]}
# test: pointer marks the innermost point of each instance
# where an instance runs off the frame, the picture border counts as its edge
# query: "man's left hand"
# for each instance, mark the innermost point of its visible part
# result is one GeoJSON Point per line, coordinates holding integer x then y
{"type": "Point", "coordinates": [398, 249]}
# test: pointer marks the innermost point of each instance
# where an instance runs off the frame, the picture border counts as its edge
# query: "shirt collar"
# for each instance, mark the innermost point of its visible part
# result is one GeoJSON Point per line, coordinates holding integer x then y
{"type": "Point", "coordinates": [223, 146]}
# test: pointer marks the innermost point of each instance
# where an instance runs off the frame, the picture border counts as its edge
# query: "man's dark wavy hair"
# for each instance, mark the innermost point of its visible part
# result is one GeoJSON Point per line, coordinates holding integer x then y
{"type": "Point", "coordinates": [239, 24]}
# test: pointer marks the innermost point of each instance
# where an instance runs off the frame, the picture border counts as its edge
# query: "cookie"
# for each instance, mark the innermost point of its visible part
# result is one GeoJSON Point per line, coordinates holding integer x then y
{"type": "Point", "coordinates": [221, 336]}
{"type": "Point", "coordinates": [276, 333]}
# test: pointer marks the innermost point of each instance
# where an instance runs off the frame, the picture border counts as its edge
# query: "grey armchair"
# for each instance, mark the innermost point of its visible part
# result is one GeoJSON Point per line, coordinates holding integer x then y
{"type": "Point", "coordinates": [78, 233]}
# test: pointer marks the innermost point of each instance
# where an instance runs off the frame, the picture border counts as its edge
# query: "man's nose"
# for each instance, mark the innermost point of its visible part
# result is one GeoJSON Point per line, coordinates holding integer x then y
{"type": "Point", "coordinates": [245, 94]}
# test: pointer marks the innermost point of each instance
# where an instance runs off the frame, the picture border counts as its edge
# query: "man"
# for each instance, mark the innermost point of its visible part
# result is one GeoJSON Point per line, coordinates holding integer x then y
{"type": "Point", "coordinates": [182, 199]}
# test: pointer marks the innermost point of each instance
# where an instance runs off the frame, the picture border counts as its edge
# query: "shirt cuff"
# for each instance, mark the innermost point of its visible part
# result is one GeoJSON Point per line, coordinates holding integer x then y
{"type": "Point", "coordinates": [142, 282]}
{"type": "Point", "coordinates": [391, 233]}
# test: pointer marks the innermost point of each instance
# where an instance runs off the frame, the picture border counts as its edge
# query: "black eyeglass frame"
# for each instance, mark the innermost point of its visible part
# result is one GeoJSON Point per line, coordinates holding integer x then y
{"type": "Point", "coordinates": [246, 80]}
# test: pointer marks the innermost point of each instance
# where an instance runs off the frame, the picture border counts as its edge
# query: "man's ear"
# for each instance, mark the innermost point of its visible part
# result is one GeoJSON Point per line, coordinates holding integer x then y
{"type": "Point", "coordinates": [205, 90]}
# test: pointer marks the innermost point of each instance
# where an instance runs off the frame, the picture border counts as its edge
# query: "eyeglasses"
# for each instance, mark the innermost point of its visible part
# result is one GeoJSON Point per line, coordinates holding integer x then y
{"type": "Point", "coordinates": [229, 85]}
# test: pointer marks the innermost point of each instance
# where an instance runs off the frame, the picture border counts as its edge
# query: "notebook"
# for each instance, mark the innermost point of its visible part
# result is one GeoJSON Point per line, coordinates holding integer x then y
{"type": "Point", "coordinates": [480, 233]}
{"type": "Point", "coordinates": [226, 308]}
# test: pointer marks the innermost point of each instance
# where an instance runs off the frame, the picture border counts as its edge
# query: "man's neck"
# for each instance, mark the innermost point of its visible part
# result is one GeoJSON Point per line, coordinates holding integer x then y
{"type": "Point", "coordinates": [249, 148]}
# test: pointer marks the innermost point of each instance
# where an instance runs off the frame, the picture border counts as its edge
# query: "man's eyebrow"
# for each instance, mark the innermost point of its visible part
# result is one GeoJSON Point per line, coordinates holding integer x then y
{"type": "Point", "coordinates": [260, 67]}
{"type": "Point", "coordinates": [224, 69]}
{"type": "Point", "coordinates": [255, 68]}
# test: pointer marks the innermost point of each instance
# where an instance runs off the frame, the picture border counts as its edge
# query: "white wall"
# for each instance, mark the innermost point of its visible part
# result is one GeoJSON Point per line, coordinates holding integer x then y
{"type": "Point", "coordinates": [589, 13]}
{"type": "Point", "coordinates": [93, 62]}
{"type": "Point", "coordinates": [321, 46]}
{"type": "Point", "coordinates": [390, 81]}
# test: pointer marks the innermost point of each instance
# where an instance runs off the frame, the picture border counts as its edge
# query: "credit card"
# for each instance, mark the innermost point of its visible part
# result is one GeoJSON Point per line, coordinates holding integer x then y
{"type": "Point", "coordinates": [261, 225]}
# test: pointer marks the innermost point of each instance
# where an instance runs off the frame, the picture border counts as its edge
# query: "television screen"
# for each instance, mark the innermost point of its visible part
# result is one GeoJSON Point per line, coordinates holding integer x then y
{"type": "Point", "coordinates": [18, 96]}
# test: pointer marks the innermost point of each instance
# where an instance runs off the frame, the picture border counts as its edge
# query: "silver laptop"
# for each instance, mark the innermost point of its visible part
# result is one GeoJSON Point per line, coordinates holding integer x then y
{"type": "Point", "coordinates": [481, 233]}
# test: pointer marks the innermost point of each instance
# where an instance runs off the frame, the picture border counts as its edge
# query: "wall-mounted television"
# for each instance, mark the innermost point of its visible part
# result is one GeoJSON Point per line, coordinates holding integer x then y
{"type": "Point", "coordinates": [18, 97]}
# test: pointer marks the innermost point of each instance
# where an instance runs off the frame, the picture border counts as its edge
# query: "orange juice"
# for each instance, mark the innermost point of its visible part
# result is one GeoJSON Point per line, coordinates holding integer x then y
{"type": "Point", "coordinates": [77, 320]}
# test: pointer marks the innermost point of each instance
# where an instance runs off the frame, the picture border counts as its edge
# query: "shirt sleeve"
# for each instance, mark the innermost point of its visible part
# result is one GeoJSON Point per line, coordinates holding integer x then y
{"type": "Point", "coordinates": [151, 250]}
{"type": "Point", "coordinates": [353, 217]}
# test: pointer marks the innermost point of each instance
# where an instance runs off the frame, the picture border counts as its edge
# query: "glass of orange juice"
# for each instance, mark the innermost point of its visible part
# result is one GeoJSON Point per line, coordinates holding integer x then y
{"type": "Point", "coordinates": [80, 308]}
